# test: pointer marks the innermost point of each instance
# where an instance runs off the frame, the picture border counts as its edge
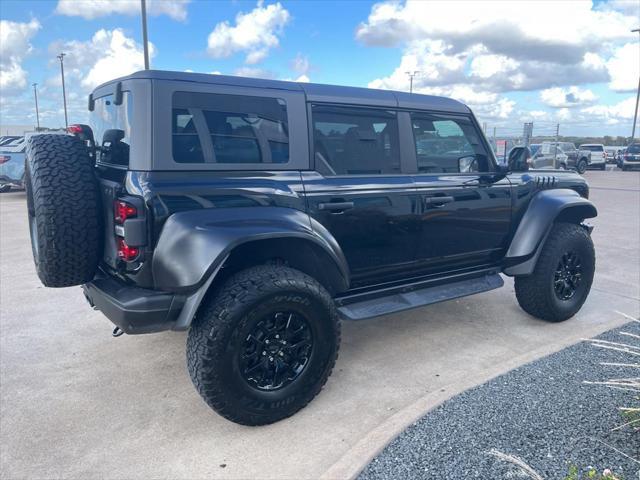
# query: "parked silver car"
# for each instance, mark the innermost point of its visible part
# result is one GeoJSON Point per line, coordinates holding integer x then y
{"type": "Point", "coordinates": [11, 162]}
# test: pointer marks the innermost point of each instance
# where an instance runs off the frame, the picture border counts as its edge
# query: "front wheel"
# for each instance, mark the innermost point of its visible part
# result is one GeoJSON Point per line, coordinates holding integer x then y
{"type": "Point", "coordinates": [561, 281]}
{"type": "Point", "coordinates": [264, 345]}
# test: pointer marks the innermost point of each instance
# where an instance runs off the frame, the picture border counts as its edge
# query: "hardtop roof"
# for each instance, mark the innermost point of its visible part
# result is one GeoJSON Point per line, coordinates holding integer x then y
{"type": "Point", "coordinates": [313, 91]}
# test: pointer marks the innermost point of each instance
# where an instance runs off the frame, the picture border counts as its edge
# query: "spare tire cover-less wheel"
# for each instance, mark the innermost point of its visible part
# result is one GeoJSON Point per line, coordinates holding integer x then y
{"type": "Point", "coordinates": [63, 205]}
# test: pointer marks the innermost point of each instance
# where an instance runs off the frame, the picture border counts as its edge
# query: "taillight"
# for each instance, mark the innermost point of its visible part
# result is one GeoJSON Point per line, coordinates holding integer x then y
{"type": "Point", "coordinates": [4, 159]}
{"type": "Point", "coordinates": [125, 252]}
{"type": "Point", "coordinates": [123, 210]}
{"type": "Point", "coordinates": [74, 129]}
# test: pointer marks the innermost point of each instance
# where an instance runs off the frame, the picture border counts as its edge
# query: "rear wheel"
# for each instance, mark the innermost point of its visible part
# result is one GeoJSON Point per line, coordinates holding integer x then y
{"type": "Point", "coordinates": [581, 166]}
{"type": "Point", "coordinates": [263, 346]}
{"type": "Point", "coordinates": [603, 167]}
{"type": "Point", "coordinates": [562, 279]}
{"type": "Point", "coordinates": [63, 210]}
{"type": "Point", "coordinates": [5, 188]}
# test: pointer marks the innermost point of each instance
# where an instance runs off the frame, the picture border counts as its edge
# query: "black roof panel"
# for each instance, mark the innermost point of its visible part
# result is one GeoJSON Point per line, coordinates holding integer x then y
{"type": "Point", "coordinates": [313, 91]}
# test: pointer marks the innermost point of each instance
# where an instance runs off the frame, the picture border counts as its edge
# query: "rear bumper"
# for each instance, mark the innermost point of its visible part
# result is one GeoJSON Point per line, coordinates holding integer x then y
{"type": "Point", "coordinates": [135, 310]}
{"type": "Point", "coordinates": [5, 180]}
{"type": "Point", "coordinates": [630, 163]}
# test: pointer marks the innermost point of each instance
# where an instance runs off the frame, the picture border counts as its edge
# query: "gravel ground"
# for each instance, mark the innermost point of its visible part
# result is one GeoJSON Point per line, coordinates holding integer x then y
{"type": "Point", "coordinates": [541, 412]}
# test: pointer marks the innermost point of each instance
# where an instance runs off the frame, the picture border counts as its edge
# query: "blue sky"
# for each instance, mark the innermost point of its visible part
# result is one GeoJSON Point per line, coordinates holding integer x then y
{"type": "Point", "coordinates": [510, 61]}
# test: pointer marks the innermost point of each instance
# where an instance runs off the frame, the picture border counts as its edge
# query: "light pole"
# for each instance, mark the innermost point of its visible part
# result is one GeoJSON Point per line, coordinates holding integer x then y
{"type": "Point", "coordinates": [35, 95]}
{"type": "Point", "coordinates": [411, 75]}
{"type": "Point", "coordinates": [64, 93]}
{"type": "Point", "coordinates": [635, 113]}
{"type": "Point", "coordinates": [143, 8]}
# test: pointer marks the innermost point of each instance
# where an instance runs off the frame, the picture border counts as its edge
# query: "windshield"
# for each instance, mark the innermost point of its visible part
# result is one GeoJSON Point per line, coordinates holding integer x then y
{"type": "Point", "coordinates": [111, 125]}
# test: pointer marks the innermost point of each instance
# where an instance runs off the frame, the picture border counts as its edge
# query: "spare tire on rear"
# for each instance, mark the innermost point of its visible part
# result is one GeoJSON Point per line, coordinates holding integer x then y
{"type": "Point", "coordinates": [63, 203]}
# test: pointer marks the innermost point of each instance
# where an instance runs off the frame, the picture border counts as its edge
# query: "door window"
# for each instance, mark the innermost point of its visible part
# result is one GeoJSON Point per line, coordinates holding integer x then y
{"type": "Point", "coordinates": [355, 141]}
{"type": "Point", "coordinates": [446, 144]}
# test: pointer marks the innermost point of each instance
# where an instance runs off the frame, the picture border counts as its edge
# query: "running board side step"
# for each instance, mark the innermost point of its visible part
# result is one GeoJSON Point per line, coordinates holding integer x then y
{"type": "Point", "coordinates": [401, 301]}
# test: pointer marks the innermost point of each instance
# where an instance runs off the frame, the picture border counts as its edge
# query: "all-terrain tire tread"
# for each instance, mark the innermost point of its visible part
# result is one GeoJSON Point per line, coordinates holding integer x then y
{"type": "Point", "coordinates": [64, 198]}
{"type": "Point", "coordinates": [533, 291]}
{"type": "Point", "coordinates": [220, 312]}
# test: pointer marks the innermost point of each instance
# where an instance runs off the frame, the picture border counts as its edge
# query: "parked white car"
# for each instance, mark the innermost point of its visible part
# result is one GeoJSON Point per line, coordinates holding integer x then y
{"type": "Point", "coordinates": [598, 155]}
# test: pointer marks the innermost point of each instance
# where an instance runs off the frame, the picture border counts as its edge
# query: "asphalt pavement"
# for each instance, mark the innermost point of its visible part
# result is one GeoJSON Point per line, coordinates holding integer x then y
{"type": "Point", "coordinates": [77, 403]}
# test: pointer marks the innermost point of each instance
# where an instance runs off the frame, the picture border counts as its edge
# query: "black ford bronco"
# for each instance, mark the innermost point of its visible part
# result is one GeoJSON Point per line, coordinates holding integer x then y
{"type": "Point", "coordinates": [257, 214]}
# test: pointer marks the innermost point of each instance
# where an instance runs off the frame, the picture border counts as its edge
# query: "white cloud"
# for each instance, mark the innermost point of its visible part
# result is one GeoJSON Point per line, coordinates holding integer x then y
{"type": "Point", "coordinates": [255, 33]}
{"type": "Point", "coordinates": [624, 67]}
{"type": "Point", "coordinates": [611, 113]}
{"type": "Point", "coordinates": [477, 51]}
{"type": "Point", "coordinates": [499, 26]}
{"type": "Point", "coordinates": [15, 45]}
{"type": "Point", "coordinates": [486, 66]}
{"type": "Point", "coordinates": [255, 72]}
{"type": "Point", "coordinates": [558, 97]}
{"type": "Point", "coordinates": [303, 79]}
{"type": "Point", "coordinates": [301, 64]}
{"type": "Point", "coordinates": [108, 55]}
{"type": "Point", "coordinates": [90, 9]}
{"type": "Point", "coordinates": [628, 7]}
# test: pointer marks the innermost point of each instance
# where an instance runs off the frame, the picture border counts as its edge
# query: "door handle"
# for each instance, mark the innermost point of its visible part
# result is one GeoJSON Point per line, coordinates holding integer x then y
{"type": "Point", "coordinates": [337, 207]}
{"type": "Point", "coordinates": [438, 201]}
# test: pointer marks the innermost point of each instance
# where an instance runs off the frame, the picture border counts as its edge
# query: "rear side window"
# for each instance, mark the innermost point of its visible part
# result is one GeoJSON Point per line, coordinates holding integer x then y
{"type": "Point", "coordinates": [111, 125]}
{"type": "Point", "coordinates": [228, 129]}
{"type": "Point", "coordinates": [446, 144]}
{"type": "Point", "coordinates": [355, 141]}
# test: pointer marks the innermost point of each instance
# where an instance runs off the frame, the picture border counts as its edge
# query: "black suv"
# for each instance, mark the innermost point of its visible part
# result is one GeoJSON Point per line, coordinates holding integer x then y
{"type": "Point", "coordinates": [256, 214]}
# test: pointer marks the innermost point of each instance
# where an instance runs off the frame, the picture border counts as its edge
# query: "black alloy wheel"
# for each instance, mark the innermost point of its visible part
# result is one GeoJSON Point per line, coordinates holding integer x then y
{"type": "Point", "coordinates": [568, 276]}
{"type": "Point", "coordinates": [276, 351]}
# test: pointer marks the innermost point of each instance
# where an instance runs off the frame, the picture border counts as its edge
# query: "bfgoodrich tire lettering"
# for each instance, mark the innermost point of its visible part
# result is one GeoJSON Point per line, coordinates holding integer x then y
{"type": "Point", "coordinates": [218, 336]}
{"type": "Point", "coordinates": [567, 256]}
{"type": "Point", "coordinates": [64, 210]}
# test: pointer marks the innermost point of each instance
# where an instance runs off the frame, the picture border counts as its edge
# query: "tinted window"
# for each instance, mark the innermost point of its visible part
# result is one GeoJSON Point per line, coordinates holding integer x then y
{"type": "Point", "coordinates": [447, 144]}
{"type": "Point", "coordinates": [111, 125]}
{"type": "Point", "coordinates": [635, 148]}
{"type": "Point", "coordinates": [217, 128]}
{"type": "Point", "coordinates": [355, 141]}
{"type": "Point", "coordinates": [592, 148]}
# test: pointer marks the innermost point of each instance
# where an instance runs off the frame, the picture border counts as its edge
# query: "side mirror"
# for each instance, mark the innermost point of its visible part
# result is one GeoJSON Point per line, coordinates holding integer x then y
{"type": "Point", "coordinates": [467, 164]}
{"type": "Point", "coordinates": [518, 159]}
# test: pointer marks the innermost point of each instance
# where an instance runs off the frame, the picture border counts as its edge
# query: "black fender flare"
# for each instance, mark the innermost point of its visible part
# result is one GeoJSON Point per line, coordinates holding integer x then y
{"type": "Point", "coordinates": [545, 208]}
{"type": "Point", "coordinates": [194, 244]}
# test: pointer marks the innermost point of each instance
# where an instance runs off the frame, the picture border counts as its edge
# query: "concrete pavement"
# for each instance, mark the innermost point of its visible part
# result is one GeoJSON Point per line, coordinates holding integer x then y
{"type": "Point", "coordinates": [76, 403]}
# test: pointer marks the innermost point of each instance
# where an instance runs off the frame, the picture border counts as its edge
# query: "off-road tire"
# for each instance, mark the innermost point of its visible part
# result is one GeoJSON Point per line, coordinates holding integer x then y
{"type": "Point", "coordinates": [5, 188]}
{"type": "Point", "coordinates": [220, 327]}
{"type": "Point", "coordinates": [603, 167]}
{"type": "Point", "coordinates": [63, 206]}
{"type": "Point", "coordinates": [581, 166]}
{"type": "Point", "coordinates": [535, 292]}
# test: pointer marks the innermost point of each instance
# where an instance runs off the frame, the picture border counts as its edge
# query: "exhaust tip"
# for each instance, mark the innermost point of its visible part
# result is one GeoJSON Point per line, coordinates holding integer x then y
{"type": "Point", "coordinates": [117, 332]}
